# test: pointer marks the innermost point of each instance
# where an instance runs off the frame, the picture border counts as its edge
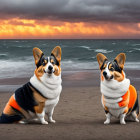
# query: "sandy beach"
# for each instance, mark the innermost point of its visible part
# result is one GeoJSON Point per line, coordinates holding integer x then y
{"type": "Point", "coordinates": [79, 114]}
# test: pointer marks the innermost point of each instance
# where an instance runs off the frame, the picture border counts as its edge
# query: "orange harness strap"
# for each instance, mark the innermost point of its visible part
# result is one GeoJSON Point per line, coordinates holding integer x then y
{"type": "Point", "coordinates": [125, 100]}
{"type": "Point", "coordinates": [12, 102]}
{"type": "Point", "coordinates": [129, 98]}
{"type": "Point", "coordinates": [133, 97]}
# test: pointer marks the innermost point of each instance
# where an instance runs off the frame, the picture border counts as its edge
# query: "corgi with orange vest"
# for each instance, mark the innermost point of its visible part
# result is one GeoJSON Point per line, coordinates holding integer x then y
{"type": "Point", "coordinates": [119, 98]}
{"type": "Point", "coordinates": [40, 95]}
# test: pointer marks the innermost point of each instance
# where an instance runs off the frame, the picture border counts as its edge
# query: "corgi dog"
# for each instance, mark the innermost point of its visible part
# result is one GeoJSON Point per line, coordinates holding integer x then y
{"type": "Point", "coordinates": [40, 95]}
{"type": "Point", "coordinates": [119, 97]}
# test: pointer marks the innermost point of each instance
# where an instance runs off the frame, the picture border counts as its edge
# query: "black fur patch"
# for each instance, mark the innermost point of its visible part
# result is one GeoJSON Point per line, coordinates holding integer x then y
{"type": "Point", "coordinates": [55, 60]}
{"type": "Point", "coordinates": [40, 62]}
{"type": "Point", "coordinates": [115, 66]}
{"type": "Point", "coordinates": [105, 62]}
{"type": "Point", "coordinates": [24, 97]}
{"type": "Point", "coordinates": [4, 118]}
{"type": "Point", "coordinates": [135, 107]}
{"type": "Point", "coordinates": [42, 59]}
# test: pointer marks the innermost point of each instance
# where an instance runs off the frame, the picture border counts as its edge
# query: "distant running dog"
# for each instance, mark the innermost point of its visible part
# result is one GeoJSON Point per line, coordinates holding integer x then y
{"type": "Point", "coordinates": [119, 98]}
{"type": "Point", "coordinates": [40, 95]}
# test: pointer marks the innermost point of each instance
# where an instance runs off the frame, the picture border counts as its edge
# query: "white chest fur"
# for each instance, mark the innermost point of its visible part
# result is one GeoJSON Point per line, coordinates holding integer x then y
{"type": "Point", "coordinates": [113, 92]}
{"type": "Point", "coordinates": [113, 107]}
{"type": "Point", "coordinates": [49, 86]}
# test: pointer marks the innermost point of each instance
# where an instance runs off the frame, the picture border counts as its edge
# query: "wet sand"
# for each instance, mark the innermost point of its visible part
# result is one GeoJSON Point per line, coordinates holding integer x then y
{"type": "Point", "coordinates": [79, 114]}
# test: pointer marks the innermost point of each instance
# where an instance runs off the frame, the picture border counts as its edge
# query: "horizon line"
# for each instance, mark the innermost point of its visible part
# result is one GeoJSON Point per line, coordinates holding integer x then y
{"type": "Point", "coordinates": [69, 38]}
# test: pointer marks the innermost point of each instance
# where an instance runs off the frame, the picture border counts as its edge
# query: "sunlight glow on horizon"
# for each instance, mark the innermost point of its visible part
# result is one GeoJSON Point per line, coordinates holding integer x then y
{"type": "Point", "coordinates": [22, 28]}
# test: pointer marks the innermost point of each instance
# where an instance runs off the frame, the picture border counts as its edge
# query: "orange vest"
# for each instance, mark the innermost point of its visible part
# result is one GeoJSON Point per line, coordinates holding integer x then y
{"type": "Point", "coordinates": [11, 103]}
{"type": "Point", "coordinates": [129, 98]}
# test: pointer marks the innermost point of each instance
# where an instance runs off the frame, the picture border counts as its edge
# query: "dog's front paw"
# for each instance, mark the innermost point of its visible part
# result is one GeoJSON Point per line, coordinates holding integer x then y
{"type": "Point", "coordinates": [122, 122]}
{"type": "Point", "coordinates": [35, 119]}
{"type": "Point", "coordinates": [23, 122]}
{"type": "Point", "coordinates": [52, 121]}
{"type": "Point", "coordinates": [137, 120]}
{"type": "Point", "coordinates": [44, 122]}
{"type": "Point", "coordinates": [122, 119]}
{"type": "Point", "coordinates": [107, 122]}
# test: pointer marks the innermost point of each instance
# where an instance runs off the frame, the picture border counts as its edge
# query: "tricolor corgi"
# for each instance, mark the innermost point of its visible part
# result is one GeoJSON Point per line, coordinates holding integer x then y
{"type": "Point", "coordinates": [40, 95]}
{"type": "Point", "coordinates": [119, 98]}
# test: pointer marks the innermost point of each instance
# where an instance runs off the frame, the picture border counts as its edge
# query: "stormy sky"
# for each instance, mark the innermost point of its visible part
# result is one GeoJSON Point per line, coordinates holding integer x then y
{"type": "Point", "coordinates": [120, 11]}
{"type": "Point", "coordinates": [69, 19]}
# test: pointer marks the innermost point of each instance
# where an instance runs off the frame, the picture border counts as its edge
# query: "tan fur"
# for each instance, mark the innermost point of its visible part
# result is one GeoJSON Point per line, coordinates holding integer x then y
{"type": "Point", "coordinates": [40, 107]}
{"type": "Point", "coordinates": [52, 61]}
{"type": "Point", "coordinates": [101, 58]}
{"type": "Point", "coordinates": [57, 70]}
{"type": "Point", "coordinates": [121, 59]}
{"type": "Point", "coordinates": [57, 53]}
{"type": "Point", "coordinates": [25, 113]}
{"type": "Point", "coordinates": [118, 76]}
{"type": "Point", "coordinates": [38, 97]}
{"type": "Point", "coordinates": [37, 53]}
{"type": "Point", "coordinates": [104, 66]}
{"type": "Point", "coordinates": [126, 110]}
{"type": "Point", "coordinates": [39, 72]}
{"type": "Point", "coordinates": [40, 101]}
{"type": "Point", "coordinates": [110, 66]}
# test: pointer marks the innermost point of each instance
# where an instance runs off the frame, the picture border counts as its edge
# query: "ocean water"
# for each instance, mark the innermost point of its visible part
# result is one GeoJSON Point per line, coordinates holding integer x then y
{"type": "Point", "coordinates": [16, 58]}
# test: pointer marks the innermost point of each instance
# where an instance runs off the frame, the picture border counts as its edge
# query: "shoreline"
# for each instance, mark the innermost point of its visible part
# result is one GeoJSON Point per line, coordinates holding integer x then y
{"type": "Point", "coordinates": [83, 78]}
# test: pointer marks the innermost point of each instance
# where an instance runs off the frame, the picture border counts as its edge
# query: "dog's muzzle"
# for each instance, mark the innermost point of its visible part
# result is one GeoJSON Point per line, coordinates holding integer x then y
{"type": "Point", "coordinates": [50, 70]}
{"type": "Point", "coordinates": [107, 77]}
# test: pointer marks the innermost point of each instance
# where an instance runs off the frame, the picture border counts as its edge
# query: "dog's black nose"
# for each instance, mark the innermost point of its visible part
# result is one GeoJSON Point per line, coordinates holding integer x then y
{"type": "Point", "coordinates": [105, 73]}
{"type": "Point", "coordinates": [50, 68]}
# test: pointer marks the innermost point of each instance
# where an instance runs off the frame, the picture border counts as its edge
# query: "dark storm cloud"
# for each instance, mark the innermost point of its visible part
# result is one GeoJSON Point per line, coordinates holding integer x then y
{"type": "Point", "coordinates": [73, 10]}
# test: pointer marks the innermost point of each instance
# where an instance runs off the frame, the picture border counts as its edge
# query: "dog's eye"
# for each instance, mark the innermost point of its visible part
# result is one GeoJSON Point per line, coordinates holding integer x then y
{"type": "Point", "coordinates": [111, 69]}
{"type": "Point", "coordinates": [43, 63]}
{"type": "Point", "coordinates": [53, 63]}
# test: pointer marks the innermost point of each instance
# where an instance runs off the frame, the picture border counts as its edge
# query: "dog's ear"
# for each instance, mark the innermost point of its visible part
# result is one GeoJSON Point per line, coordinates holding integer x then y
{"type": "Point", "coordinates": [37, 53]}
{"type": "Point", "coordinates": [120, 59]}
{"type": "Point", "coordinates": [101, 59]}
{"type": "Point", "coordinates": [56, 52]}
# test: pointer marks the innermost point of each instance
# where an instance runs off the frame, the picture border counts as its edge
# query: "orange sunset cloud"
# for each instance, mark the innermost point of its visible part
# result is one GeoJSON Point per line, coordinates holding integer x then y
{"type": "Point", "coordinates": [24, 28]}
{"type": "Point", "coordinates": [69, 19]}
